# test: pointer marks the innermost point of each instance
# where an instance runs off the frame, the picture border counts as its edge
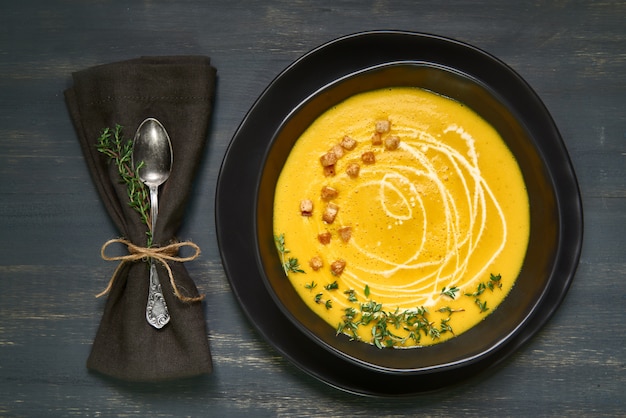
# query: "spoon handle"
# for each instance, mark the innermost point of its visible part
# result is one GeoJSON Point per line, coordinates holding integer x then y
{"type": "Point", "coordinates": [157, 313]}
{"type": "Point", "coordinates": [154, 206]}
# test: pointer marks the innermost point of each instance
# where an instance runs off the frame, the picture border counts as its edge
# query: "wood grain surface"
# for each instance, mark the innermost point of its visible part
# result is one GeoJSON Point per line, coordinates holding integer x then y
{"type": "Point", "coordinates": [52, 223]}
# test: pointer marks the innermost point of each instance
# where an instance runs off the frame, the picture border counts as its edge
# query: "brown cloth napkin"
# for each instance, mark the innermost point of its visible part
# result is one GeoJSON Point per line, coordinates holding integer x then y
{"type": "Point", "coordinates": [179, 92]}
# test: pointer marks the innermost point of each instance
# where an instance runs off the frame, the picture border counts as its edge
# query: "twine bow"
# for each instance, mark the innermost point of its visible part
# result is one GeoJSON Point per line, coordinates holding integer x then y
{"type": "Point", "coordinates": [161, 254]}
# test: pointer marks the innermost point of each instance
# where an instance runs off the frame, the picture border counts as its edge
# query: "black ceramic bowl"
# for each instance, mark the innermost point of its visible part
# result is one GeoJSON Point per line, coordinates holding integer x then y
{"type": "Point", "coordinates": [534, 277]}
{"type": "Point", "coordinates": [255, 157]}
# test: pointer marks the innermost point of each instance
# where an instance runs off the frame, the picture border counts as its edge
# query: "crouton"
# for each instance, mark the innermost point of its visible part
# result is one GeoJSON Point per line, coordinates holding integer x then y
{"type": "Point", "coordinates": [328, 159]}
{"type": "Point", "coordinates": [329, 193]}
{"type": "Point", "coordinates": [324, 238]}
{"type": "Point", "coordinates": [368, 157]}
{"type": "Point", "coordinates": [377, 139]}
{"type": "Point", "coordinates": [337, 267]}
{"type": "Point", "coordinates": [306, 207]}
{"type": "Point", "coordinates": [353, 170]}
{"type": "Point", "coordinates": [392, 142]}
{"type": "Point", "coordinates": [329, 171]}
{"type": "Point", "coordinates": [316, 263]}
{"type": "Point", "coordinates": [382, 126]}
{"type": "Point", "coordinates": [348, 143]}
{"type": "Point", "coordinates": [345, 233]}
{"type": "Point", "coordinates": [330, 213]}
{"type": "Point", "coordinates": [337, 150]}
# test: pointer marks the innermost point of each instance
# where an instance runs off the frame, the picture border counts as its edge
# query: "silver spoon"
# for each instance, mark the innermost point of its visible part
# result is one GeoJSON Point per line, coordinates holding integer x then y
{"type": "Point", "coordinates": [152, 147]}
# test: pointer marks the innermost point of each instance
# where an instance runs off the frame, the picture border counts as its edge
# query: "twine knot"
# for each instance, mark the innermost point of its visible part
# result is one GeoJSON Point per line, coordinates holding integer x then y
{"type": "Point", "coordinates": [161, 254]}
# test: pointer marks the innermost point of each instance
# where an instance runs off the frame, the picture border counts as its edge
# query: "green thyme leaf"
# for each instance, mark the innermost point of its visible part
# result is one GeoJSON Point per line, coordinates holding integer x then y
{"type": "Point", "coordinates": [351, 294]}
{"type": "Point", "coordinates": [479, 290]}
{"type": "Point", "coordinates": [280, 243]}
{"type": "Point", "coordinates": [445, 326]}
{"type": "Point", "coordinates": [481, 305]}
{"type": "Point", "coordinates": [290, 264]}
{"type": "Point", "coordinates": [449, 310]}
{"type": "Point", "coordinates": [451, 293]}
{"type": "Point", "coordinates": [332, 286]}
{"type": "Point", "coordinates": [494, 282]}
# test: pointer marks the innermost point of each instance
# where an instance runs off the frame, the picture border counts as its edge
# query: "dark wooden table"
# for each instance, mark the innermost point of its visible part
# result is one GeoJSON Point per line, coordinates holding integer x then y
{"type": "Point", "coordinates": [52, 222]}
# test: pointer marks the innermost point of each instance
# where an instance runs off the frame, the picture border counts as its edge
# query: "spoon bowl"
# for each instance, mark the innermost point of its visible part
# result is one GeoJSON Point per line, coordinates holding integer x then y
{"type": "Point", "coordinates": [153, 148]}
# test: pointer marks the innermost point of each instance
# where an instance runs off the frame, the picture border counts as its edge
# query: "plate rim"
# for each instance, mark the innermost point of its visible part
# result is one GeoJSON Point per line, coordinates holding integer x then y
{"type": "Point", "coordinates": [532, 325]}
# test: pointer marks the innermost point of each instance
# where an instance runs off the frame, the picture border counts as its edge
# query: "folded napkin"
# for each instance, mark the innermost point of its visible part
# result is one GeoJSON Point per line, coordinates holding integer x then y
{"type": "Point", "coordinates": [178, 91]}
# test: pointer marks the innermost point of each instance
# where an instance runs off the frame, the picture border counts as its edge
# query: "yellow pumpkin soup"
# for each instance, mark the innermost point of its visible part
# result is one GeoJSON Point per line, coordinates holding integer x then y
{"type": "Point", "coordinates": [401, 217]}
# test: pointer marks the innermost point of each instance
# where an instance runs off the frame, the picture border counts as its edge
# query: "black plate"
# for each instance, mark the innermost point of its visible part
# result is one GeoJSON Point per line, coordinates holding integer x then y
{"type": "Point", "coordinates": [236, 205]}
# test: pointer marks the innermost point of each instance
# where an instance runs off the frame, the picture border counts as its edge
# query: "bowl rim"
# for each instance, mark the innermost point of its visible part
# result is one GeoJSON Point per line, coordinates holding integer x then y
{"type": "Point", "coordinates": [335, 346]}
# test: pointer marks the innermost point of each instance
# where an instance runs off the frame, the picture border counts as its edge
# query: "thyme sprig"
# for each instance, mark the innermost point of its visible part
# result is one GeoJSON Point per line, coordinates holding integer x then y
{"type": "Point", "coordinates": [449, 310]}
{"type": "Point", "coordinates": [120, 151]}
{"type": "Point", "coordinates": [328, 303]}
{"type": "Point", "coordinates": [351, 295]}
{"type": "Point", "coordinates": [290, 264]}
{"type": "Point", "coordinates": [493, 283]}
{"type": "Point", "coordinates": [386, 324]}
{"type": "Point", "coordinates": [451, 292]}
{"type": "Point", "coordinates": [332, 286]}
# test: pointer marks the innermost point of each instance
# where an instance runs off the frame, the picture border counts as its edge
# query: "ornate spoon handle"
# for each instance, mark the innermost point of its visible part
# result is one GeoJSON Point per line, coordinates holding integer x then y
{"type": "Point", "coordinates": [156, 309]}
